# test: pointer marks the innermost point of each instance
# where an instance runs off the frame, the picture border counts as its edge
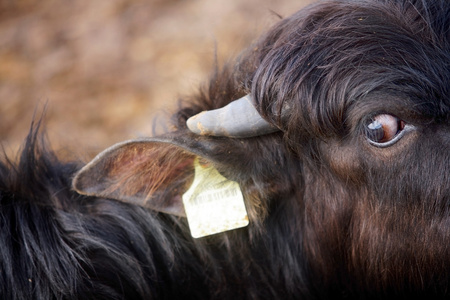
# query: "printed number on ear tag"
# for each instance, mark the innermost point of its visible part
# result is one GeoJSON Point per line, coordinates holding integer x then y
{"type": "Point", "coordinates": [213, 204]}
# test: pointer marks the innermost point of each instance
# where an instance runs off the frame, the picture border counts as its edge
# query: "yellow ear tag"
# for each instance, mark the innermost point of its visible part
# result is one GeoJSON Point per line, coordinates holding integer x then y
{"type": "Point", "coordinates": [213, 204]}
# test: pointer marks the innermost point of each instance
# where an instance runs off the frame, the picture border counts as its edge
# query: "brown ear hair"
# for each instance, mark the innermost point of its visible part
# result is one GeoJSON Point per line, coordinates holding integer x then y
{"type": "Point", "coordinates": [149, 172]}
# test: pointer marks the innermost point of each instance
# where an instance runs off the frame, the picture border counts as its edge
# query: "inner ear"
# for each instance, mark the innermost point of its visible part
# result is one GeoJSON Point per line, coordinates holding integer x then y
{"type": "Point", "coordinates": [147, 173]}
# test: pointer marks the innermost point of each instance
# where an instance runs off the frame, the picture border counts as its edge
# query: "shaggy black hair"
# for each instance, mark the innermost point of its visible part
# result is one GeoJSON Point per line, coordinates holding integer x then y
{"type": "Point", "coordinates": [56, 244]}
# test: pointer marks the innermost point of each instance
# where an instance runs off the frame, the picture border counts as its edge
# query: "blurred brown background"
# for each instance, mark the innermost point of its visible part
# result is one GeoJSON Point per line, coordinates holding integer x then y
{"type": "Point", "coordinates": [104, 69]}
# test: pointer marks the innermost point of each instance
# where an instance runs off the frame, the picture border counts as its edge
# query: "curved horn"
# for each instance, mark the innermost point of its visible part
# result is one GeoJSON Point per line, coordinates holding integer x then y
{"type": "Point", "coordinates": [239, 119]}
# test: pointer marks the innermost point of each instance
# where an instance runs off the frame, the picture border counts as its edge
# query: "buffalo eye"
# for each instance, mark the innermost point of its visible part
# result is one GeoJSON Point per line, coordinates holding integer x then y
{"type": "Point", "coordinates": [384, 130]}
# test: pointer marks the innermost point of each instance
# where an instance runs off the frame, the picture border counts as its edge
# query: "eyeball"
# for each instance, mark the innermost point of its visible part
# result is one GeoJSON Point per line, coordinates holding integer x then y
{"type": "Point", "coordinates": [384, 130]}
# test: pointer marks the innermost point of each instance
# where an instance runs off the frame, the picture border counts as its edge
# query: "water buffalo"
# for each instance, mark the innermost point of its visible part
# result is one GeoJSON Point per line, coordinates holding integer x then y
{"type": "Point", "coordinates": [315, 167]}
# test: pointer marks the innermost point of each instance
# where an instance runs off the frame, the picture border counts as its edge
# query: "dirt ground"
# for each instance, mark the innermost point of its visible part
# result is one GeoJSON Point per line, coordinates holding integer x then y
{"type": "Point", "coordinates": [103, 70]}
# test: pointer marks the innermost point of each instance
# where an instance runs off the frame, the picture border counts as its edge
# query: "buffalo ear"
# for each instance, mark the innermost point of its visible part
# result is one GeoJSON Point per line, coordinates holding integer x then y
{"type": "Point", "coordinates": [148, 172]}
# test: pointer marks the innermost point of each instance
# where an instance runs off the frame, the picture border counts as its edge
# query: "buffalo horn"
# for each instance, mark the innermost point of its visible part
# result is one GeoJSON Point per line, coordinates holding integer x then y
{"type": "Point", "coordinates": [239, 119]}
